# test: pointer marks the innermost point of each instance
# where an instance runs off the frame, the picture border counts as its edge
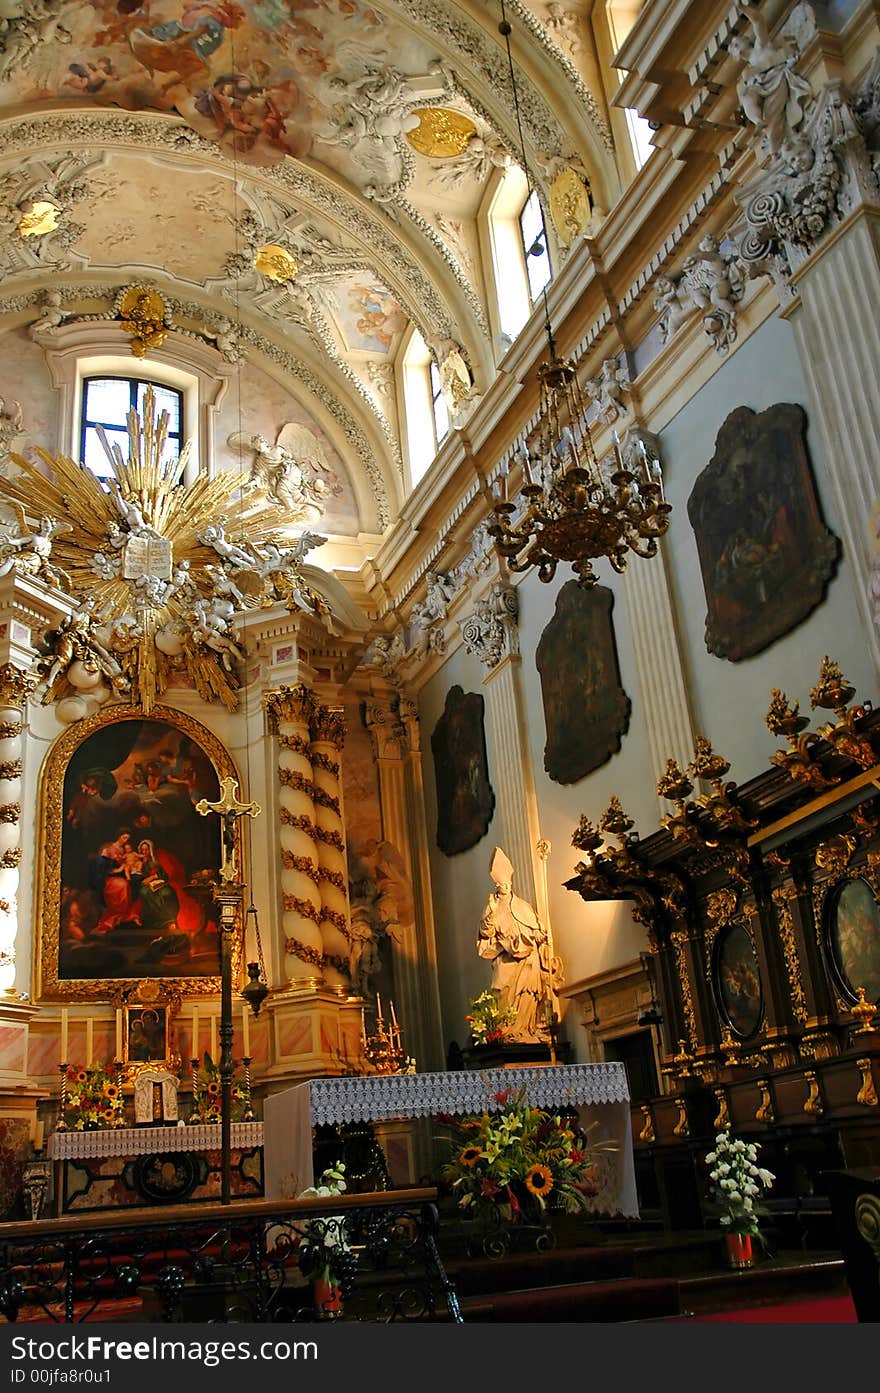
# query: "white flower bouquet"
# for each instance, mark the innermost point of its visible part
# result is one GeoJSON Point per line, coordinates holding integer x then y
{"type": "Point", "coordinates": [737, 1182]}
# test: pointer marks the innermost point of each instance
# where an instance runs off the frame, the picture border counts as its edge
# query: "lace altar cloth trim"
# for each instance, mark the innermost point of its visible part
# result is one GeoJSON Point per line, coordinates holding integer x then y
{"type": "Point", "coordinates": [378, 1096]}
{"type": "Point", "coordinates": [144, 1141]}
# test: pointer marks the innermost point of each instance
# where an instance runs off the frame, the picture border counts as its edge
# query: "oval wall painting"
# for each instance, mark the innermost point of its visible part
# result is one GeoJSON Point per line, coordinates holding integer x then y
{"type": "Point", "coordinates": [738, 981]}
{"type": "Point", "coordinates": [854, 939]}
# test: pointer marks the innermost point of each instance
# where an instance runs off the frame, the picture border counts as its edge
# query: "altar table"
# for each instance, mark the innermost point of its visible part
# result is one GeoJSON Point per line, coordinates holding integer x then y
{"type": "Point", "coordinates": [599, 1092]}
{"type": "Point", "coordinates": [117, 1167]}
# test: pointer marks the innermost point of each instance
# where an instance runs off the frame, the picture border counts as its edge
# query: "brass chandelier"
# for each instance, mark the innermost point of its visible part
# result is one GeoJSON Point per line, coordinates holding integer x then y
{"type": "Point", "coordinates": [571, 507]}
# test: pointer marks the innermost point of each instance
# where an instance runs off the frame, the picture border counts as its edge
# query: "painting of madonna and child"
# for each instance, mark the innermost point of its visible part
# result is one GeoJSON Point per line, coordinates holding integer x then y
{"type": "Point", "coordinates": [137, 860]}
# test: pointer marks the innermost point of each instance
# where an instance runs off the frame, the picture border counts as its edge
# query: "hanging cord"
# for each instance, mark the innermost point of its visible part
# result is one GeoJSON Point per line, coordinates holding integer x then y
{"type": "Point", "coordinates": [252, 908]}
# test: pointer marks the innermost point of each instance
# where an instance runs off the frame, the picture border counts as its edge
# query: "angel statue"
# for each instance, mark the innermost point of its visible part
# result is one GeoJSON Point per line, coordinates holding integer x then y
{"type": "Point", "coordinates": [607, 390]}
{"type": "Point", "coordinates": [27, 550]}
{"type": "Point", "coordinates": [294, 472]}
{"type": "Point", "coordinates": [772, 95]}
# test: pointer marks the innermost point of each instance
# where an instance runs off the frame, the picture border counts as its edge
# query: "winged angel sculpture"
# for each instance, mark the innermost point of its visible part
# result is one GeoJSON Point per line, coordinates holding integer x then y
{"type": "Point", "coordinates": [160, 573]}
{"type": "Point", "coordinates": [293, 473]}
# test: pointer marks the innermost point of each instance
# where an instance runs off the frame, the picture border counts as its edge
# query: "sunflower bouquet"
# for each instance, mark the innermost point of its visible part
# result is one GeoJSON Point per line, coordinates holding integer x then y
{"type": "Point", "coordinates": [207, 1099]}
{"type": "Point", "coordinates": [94, 1098]}
{"type": "Point", "coordinates": [521, 1159]}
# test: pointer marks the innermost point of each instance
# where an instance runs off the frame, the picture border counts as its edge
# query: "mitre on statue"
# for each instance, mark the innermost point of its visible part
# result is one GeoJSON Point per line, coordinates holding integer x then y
{"type": "Point", "coordinates": [501, 869]}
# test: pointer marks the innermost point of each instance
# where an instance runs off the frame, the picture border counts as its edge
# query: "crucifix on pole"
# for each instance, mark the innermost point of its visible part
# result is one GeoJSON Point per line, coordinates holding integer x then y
{"type": "Point", "coordinates": [229, 896]}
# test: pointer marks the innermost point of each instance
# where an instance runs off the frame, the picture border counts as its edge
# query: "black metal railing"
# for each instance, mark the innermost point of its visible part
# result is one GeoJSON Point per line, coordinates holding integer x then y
{"type": "Point", "coordinates": [371, 1257]}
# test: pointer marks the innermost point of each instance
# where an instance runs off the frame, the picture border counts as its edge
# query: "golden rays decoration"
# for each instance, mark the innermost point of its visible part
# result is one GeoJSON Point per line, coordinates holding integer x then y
{"type": "Point", "coordinates": [158, 568]}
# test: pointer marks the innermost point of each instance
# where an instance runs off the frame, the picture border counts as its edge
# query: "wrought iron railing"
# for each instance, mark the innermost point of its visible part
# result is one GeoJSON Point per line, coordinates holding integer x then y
{"type": "Point", "coordinates": [371, 1257]}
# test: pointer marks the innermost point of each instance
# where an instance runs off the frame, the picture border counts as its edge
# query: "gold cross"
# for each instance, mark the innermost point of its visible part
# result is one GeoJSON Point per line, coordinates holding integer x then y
{"type": "Point", "coordinates": [229, 809]}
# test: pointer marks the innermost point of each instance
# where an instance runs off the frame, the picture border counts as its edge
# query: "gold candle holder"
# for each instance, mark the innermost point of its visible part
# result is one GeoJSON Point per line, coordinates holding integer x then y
{"type": "Point", "coordinates": [193, 1120]}
{"type": "Point", "coordinates": [864, 1012]}
{"type": "Point", "coordinates": [61, 1125]}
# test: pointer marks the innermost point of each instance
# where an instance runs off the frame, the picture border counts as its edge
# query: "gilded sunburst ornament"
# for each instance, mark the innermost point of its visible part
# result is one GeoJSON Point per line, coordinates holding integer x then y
{"type": "Point", "coordinates": [159, 569]}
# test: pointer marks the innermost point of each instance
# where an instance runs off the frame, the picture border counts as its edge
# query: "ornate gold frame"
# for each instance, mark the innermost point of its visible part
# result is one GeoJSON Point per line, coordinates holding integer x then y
{"type": "Point", "coordinates": [47, 896]}
{"type": "Point", "coordinates": [725, 913]}
{"type": "Point", "coordinates": [826, 892]}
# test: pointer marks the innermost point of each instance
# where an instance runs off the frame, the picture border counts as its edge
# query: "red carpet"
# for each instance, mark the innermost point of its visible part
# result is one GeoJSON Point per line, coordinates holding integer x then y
{"type": "Point", "coordinates": [832, 1310]}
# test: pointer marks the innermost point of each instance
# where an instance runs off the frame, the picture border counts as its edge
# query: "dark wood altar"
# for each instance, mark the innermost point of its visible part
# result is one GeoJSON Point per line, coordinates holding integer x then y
{"type": "Point", "coordinates": [762, 908]}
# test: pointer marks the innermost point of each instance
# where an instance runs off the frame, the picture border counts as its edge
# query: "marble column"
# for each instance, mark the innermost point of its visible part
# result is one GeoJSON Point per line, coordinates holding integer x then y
{"type": "Point", "coordinates": [15, 686]}
{"type": "Point", "coordinates": [327, 728]}
{"type": "Point", "coordinates": [290, 710]}
{"type": "Point", "coordinates": [393, 725]}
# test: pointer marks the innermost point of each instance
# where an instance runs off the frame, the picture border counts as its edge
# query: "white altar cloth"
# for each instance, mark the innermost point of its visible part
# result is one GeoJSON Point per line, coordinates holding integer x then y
{"type": "Point", "coordinates": [598, 1091]}
{"type": "Point", "coordinates": [141, 1141]}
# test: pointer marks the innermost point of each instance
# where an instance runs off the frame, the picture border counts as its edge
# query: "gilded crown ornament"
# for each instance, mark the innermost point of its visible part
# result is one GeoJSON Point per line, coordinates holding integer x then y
{"type": "Point", "coordinates": [798, 761]}
{"type": "Point", "coordinates": [159, 570]}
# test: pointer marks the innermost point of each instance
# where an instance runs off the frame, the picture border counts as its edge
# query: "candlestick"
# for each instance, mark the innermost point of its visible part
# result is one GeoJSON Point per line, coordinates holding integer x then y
{"type": "Point", "coordinates": [378, 1007]}
{"type": "Point", "coordinates": [245, 1033]}
{"type": "Point", "coordinates": [90, 1041]}
{"type": "Point", "coordinates": [248, 1115]}
{"type": "Point", "coordinates": [64, 1035]}
{"type": "Point", "coordinates": [393, 1016]}
{"type": "Point", "coordinates": [194, 1077]}
{"type": "Point", "coordinates": [194, 1043]}
{"type": "Point", "coordinates": [61, 1125]}
{"type": "Point", "coordinates": [118, 1054]}
{"type": "Point", "coordinates": [214, 1038]}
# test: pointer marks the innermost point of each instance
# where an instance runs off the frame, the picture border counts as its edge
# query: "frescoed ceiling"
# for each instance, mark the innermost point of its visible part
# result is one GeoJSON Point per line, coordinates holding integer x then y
{"type": "Point", "coordinates": [178, 137]}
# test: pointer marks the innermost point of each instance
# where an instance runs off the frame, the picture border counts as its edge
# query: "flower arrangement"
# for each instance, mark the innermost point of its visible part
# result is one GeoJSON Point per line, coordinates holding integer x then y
{"type": "Point", "coordinates": [522, 1158]}
{"type": "Point", "coordinates": [207, 1099]}
{"type": "Point", "coordinates": [94, 1098]}
{"type": "Point", "coordinates": [489, 1018]}
{"type": "Point", "coordinates": [325, 1254]}
{"type": "Point", "coordinates": [737, 1182]}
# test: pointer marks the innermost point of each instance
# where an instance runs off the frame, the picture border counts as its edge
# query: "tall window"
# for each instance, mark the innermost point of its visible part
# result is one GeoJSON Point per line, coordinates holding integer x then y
{"type": "Point", "coordinates": [534, 243]}
{"type": "Point", "coordinates": [106, 401]}
{"type": "Point", "coordinates": [438, 406]}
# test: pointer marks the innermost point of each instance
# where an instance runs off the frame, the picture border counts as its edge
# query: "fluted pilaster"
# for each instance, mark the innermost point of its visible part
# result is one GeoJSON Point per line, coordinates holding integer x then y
{"type": "Point", "coordinates": [516, 808]}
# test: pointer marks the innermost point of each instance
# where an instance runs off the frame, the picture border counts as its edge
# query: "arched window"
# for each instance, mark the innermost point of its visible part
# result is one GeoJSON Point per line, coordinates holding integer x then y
{"type": "Point", "coordinates": [533, 235]}
{"type": "Point", "coordinates": [106, 401]}
{"type": "Point", "coordinates": [424, 405]}
{"type": "Point", "coordinates": [511, 224]}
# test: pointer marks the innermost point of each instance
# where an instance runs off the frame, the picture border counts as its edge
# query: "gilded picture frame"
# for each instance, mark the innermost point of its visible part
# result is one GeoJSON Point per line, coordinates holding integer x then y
{"type": "Point", "coordinates": [145, 1038]}
{"type": "Point", "coordinates": [851, 937]}
{"type": "Point", "coordinates": [736, 980]}
{"type": "Point", "coordinates": [110, 917]}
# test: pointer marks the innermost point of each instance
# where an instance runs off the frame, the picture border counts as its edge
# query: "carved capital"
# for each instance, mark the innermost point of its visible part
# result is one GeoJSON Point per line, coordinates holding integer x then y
{"type": "Point", "coordinates": [491, 630]}
{"type": "Point", "coordinates": [387, 730]}
{"type": "Point", "coordinates": [408, 712]}
{"type": "Point", "coordinates": [328, 723]}
{"type": "Point", "coordinates": [15, 685]}
{"type": "Point", "coordinates": [289, 704]}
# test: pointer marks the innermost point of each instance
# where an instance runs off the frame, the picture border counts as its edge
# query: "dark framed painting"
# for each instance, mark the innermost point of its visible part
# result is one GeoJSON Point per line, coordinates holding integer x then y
{"type": "Point", "coordinates": [145, 1038]}
{"type": "Point", "coordinates": [737, 981]}
{"type": "Point", "coordinates": [852, 939]}
{"type": "Point", "coordinates": [586, 710]}
{"type": "Point", "coordinates": [765, 553]}
{"type": "Point", "coordinates": [129, 865]}
{"type": "Point", "coordinates": [465, 800]}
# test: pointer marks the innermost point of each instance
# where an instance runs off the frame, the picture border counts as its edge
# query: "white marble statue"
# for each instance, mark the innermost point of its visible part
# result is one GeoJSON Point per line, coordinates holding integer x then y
{"type": "Point", "coordinates": [772, 95]}
{"type": "Point", "coordinates": [513, 939]}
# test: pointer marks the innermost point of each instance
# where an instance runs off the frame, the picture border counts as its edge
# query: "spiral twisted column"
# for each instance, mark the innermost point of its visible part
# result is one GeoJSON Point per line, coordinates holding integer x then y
{"type": "Point", "coordinates": [290, 710]}
{"type": "Point", "coordinates": [328, 739]}
{"type": "Point", "coordinates": [15, 687]}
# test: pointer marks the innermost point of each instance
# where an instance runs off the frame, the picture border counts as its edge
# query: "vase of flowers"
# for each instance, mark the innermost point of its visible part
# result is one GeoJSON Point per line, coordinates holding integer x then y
{"type": "Point", "coordinates": [489, 1019]}
{"type": "Point", "coordinates": [513, 1164]}
{"type": "Point", "coordinates": [736, 1183]}
{"type": "Point", "coordinates": [325, 1254]}
{"type": "Point", "coordinates": [94, 1099]}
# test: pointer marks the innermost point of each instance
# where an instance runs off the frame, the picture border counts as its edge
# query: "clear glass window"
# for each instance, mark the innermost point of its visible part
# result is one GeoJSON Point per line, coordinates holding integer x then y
{"type": "Point", "coordinates": [534, 242]}
{"type": "Point", "coordinates": [438, 406]}
{"type": "Point", "coordinates": [106, 401]}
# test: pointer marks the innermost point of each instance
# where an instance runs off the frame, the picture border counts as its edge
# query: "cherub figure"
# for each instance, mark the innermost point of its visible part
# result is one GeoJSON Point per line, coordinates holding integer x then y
{"type": "Point", "coordinates": [28, 550]}
{"type": "Point", "coordinates": [675, 306]}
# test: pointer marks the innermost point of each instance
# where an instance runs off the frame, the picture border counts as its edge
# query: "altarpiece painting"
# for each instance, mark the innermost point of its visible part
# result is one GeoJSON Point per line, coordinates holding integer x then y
{"type": "Point", "coordinates": [465, 800]}
{"type": "Point", "coordinates": [765, 552]}
{"type": "Point", "coordinates": [129, 865]}
{"type": "Point", "coordinates": [586, 710]}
